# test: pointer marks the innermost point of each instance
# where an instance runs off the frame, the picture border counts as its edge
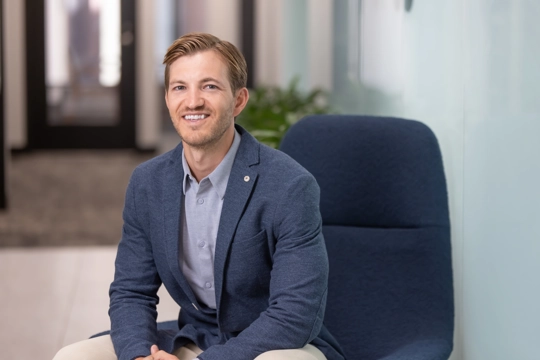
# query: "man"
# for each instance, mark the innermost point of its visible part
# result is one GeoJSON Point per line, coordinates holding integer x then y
{"type": "Point", "coordinates": [231, 228]}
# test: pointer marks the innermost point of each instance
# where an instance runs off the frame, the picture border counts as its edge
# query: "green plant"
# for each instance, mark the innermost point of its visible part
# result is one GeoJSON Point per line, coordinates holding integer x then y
{"type": "Point", "coordinates": [272, 110]}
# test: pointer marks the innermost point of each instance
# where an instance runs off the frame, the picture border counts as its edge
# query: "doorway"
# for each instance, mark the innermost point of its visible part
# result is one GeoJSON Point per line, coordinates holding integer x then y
{"type": "Point", "coordinates": [80, 74]}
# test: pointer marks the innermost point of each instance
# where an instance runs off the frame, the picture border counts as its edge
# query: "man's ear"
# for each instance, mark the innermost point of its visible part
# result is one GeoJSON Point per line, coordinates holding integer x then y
{"type": "Point", "coordinates": [242, 97]}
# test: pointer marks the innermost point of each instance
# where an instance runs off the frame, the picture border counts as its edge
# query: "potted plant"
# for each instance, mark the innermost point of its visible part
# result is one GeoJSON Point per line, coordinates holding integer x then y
{"type": "Point", "coordinates": [272, 110]}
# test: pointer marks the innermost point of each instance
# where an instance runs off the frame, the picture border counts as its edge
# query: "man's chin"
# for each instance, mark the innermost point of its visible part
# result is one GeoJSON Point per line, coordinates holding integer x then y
{"type": "Point", "coordinates": [196, 142]}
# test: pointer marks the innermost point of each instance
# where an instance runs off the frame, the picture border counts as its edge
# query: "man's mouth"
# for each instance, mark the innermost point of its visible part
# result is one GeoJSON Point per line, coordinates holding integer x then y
{"type": "Point", "coordinates": [195, 117]}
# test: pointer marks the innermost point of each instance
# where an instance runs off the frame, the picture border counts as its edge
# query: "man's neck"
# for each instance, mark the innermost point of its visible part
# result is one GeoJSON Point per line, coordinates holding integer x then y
{"type": "Point", "coordinates": [202, 161]}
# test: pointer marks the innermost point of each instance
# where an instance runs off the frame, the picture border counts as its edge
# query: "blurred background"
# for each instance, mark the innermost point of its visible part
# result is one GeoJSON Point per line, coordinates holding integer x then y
{"type": "Point", "coordinates": [82, 104]}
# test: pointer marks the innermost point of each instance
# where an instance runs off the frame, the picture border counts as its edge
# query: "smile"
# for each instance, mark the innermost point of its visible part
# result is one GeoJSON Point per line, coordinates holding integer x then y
{"type": "Point", "coordinates": [195, 117]}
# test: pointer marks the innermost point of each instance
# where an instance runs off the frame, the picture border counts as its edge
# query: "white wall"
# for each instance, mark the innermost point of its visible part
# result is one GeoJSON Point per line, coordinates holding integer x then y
{"type": "Point", "coordinates": [294, 38]}
{"type": "Point", "coordinates": [15, 73]}
{"type": "Point", "coordinates": [223, 20]}
{"type": "Point", "coordinates": [148, 96]}
{"type": "Point", "coordinates": [469, 69]}
{"type": "Point", "coordinates": [268, 45]}
{"type": "Point", "coordinates": [320, 48]}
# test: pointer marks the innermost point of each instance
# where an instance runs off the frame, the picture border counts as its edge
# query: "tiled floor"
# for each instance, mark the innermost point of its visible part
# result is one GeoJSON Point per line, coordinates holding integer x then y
{"type": "Point", "coordinates": [51, 297]}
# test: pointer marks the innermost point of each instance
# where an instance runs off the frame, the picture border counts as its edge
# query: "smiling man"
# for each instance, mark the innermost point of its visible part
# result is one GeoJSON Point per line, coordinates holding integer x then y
{"type": "Point", "coordinates": [229, 226]}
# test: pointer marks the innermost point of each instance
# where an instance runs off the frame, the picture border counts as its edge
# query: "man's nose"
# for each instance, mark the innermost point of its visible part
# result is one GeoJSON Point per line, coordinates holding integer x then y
{"type": "Point", "coordinates": [194, 99]}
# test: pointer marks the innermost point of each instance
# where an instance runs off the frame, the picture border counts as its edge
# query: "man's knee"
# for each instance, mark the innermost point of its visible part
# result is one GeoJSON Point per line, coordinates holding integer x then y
{"type": "Point", "coordinates": [66, 352]}
{"type": "Point", "coordinates": [99, 348]}
{"type": "Point", "coordinates": [309, 352]}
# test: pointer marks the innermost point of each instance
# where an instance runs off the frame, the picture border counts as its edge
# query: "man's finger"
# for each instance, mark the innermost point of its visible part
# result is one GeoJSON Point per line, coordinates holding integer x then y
{"type": "Point", "coordinates": [154, 349]}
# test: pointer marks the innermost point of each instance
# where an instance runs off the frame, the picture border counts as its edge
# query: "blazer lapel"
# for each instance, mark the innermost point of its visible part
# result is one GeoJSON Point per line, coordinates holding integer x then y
{"type": "Point", "coordinates": [172, 212]}
{"type": "Point", "coordinates": [241, 183]}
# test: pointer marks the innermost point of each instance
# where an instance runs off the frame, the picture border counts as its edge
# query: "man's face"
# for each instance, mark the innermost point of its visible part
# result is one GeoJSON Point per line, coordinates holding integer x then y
{"type": "Point", "coordinates": [200, 99]}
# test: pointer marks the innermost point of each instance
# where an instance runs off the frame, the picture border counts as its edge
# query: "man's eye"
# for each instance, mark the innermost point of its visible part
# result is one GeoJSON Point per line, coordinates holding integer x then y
{"type": "Point", "coordinates": [210, 86]}
{"type": "Point", "coordinates": [179, 87]}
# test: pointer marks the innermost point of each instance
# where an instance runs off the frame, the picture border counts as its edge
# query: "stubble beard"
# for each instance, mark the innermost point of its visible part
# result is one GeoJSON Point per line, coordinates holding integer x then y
{"type": "Point", "coordinates": [211, 139]}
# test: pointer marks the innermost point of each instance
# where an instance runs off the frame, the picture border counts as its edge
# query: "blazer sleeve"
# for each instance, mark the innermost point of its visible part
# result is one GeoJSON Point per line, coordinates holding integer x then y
{"type": "Point", "coordinates": [299, 279]}
{"type": "Point", "coordinates": [133, 293]}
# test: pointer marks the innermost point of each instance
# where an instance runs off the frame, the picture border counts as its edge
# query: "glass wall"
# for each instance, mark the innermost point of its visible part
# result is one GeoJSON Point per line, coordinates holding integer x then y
{"type": "Point", "coordinates": [468, 69]}
{"type": "Point", "coordinates": [501, 177]}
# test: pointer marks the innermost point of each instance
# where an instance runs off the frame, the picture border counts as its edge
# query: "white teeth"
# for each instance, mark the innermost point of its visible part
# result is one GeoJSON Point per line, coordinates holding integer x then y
{"type": "Point", "coordinates": [194, 117]}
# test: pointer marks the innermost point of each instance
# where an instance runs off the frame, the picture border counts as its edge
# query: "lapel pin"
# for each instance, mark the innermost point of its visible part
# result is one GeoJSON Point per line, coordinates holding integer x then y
{"type": "Point", "coordinates": [246, 178]}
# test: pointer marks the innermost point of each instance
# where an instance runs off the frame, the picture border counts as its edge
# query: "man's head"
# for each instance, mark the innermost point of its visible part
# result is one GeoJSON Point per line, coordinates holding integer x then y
{"type": "Point", "coordinates": [205, 90]}
{"type": "Point", "coordinates": [192, 43]}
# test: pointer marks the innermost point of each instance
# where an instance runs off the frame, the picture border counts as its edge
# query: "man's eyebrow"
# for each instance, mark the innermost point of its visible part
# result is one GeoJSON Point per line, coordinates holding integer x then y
{"type": "Point", "coordinates": [211, 79]}
{"type": "Point", "coordinates": [205, 80]}
{"type": "Point", "coordinates": [176, 82]}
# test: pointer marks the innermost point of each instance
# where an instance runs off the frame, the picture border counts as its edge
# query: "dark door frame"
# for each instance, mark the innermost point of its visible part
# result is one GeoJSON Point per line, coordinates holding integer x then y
{"type": "Point", "coordinates": [43, 136]}
{"type": "Point", "coordinates": [247, 32]}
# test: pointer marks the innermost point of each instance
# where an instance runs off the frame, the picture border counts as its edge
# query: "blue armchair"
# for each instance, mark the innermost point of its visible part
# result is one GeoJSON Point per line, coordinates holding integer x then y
{"type": "Point", "coordinates": [387, 230]}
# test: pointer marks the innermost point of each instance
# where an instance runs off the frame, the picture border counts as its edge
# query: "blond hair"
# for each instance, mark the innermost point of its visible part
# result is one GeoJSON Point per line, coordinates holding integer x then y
{"type": "Point", "coordinates": [192, 43]}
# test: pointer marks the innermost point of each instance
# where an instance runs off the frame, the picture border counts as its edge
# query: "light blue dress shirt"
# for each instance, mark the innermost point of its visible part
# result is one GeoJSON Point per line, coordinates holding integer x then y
{"type": "Point", "coordinates": [201, 211]}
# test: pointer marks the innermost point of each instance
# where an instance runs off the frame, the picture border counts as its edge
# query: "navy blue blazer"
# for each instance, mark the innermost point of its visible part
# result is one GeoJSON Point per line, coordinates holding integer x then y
{"type": "Point", "coordinates": [271, 266]}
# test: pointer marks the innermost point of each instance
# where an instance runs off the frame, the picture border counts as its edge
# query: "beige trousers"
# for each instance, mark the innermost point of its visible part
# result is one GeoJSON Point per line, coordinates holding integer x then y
{"type": "Point", "coordinates": [101, 348]}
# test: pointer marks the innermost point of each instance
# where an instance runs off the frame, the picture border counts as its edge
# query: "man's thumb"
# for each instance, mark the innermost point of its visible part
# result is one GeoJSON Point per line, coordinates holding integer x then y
{"type": "Point", "coordinates": [154, 349]}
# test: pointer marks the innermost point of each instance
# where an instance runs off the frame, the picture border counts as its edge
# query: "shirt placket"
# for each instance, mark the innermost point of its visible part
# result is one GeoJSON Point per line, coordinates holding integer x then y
{"type": "Point", "coordinates": [205, 238]}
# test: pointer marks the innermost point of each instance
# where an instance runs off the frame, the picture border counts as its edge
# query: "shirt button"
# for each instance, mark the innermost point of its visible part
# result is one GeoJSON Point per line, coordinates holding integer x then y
{"type": "Point", "coordinates": [201, 244]}
{"type": "Point", "coordinates": [200, 201]}
{"type": "Point", "coordinates": [208, 285]}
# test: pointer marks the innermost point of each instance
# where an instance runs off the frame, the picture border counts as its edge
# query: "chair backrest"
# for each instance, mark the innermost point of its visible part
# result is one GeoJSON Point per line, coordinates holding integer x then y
{"type": "Point", "coordinates": [386, 225]}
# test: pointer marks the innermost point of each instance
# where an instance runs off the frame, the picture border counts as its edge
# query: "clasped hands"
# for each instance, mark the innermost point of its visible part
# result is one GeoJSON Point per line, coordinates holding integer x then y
{"type": "Point", "coordinates": [156, 354]}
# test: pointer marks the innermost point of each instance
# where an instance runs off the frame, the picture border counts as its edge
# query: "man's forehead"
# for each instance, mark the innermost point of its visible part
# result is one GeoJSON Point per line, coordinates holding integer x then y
{"type": "Point", "coordinates": [205, 64]}
{"type": "Point", "coordinates": [202, 55]}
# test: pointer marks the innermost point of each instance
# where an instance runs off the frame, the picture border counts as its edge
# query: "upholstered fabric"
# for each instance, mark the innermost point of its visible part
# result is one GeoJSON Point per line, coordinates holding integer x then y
{"type": "Point", "coordinates": [387, 231]}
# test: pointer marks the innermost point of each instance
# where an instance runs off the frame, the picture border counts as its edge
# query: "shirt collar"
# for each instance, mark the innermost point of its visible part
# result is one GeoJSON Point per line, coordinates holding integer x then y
{"type": "Point", "coordinates": [220, 176]}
